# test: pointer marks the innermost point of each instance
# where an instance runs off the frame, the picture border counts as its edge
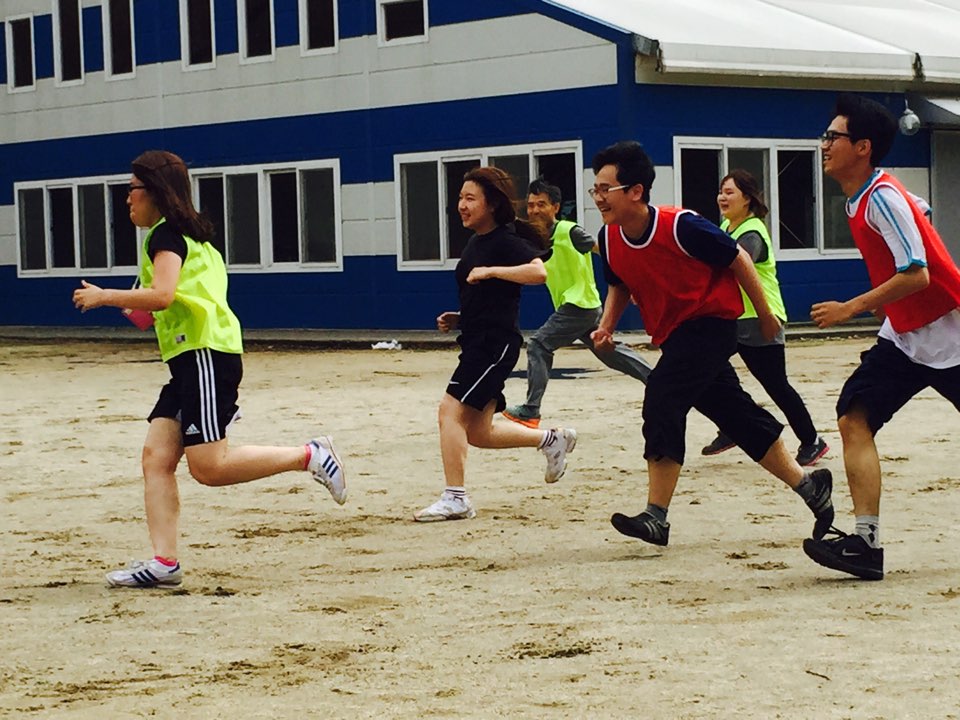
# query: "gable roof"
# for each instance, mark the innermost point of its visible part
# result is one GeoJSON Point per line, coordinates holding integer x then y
{"type": "Point", "coordinates": [890, 40]}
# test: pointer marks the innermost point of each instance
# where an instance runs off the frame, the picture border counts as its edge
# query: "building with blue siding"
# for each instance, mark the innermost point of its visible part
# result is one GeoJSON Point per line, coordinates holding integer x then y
{"type": "Point", "coordinates": [328, 138]}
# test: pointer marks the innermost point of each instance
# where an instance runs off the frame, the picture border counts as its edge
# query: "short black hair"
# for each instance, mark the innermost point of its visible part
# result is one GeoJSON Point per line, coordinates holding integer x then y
{"type": "Point", "coordinates": [868, 120]}
{"type": "Point", "coordinates": [634, 166]}
{"type": "Point", "coordinates": [542, 187]}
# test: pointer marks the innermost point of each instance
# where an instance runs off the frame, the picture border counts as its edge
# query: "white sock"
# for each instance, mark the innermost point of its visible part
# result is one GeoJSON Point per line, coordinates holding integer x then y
{"type": "Point", "coordinates": [548, 437]}
{"type": "Point", "coordinates": [868, 527]}
{"type": "Point", "coordinates": [455, 492]}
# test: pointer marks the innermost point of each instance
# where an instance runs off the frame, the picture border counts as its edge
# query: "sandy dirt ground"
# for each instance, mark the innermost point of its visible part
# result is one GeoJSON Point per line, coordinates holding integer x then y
{"type": "Point", "coordinates": [293, 607]}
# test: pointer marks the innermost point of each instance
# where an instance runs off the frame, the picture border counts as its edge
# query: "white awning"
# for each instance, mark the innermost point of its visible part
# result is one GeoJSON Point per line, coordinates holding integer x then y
{"type": "Point", "coordinates": [898, 40]}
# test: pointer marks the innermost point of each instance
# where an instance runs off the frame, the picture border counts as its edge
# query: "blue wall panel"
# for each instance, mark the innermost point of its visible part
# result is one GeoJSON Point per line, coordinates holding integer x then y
{"type": "Point", "coordinates": [157, 30]}
{"type": "Point", "coordinates": [449, 12]}
{"type": "Point", "coordinates": [365, 141]}
{"type": "Point", "coordinates": [92, 40]}
{"type": "Point", "coordinates": [43, 45]}
{"type": "Point", "coordinates": [371, 294]}
{"type": "Point", "coordinates": [357, 19]}
{"type": "Point", "coordinates": [225, 26]}
{"type": "Point", "coordinates": [286, 22]}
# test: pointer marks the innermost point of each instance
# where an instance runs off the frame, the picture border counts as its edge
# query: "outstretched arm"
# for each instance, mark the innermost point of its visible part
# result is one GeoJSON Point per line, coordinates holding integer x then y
{"type": "Point", "coordinates": [531, 273]}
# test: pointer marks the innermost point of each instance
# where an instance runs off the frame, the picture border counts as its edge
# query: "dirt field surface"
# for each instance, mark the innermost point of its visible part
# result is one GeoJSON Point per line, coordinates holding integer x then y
{"type": "Point", "coordinates": [294, 607]}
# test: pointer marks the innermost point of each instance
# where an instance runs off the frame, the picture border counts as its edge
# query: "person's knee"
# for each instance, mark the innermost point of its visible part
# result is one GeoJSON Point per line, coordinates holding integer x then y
{"type": "Point", "coordinates": [537, 349]}
{"type": "Point", "coordinates": [447, 412]}
{"type": "Point", "coordinates": [156, 460]}
{"type": "Point", "coordinates": [854, 425]}
{"type": "Point", "coordinates": [205, 473]}
{"type": "Point", "coordinates": [479, 436]}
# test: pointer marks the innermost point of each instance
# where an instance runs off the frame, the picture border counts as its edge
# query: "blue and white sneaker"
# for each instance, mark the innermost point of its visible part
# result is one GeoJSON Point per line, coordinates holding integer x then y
{"type": "Point", "coordinates": [327, 468]}
{"type": "Point", "coordinates": [146, 574]}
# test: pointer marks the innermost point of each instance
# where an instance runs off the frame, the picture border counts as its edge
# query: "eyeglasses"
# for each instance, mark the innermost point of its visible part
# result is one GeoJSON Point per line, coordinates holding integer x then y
{"type": "Point", "coordinates": [830, 135]}
{"type": "Point", "coordinates": [603, 191]}
{"type": "Point", "coordinates": [132, 187]}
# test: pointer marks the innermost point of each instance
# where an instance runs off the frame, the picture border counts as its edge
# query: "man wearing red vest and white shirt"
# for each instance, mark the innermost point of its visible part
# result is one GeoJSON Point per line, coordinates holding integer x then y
{"type": "Point", "coordinates": [916, 290]}
{"type": "Point", "coordinates": [684, 274]}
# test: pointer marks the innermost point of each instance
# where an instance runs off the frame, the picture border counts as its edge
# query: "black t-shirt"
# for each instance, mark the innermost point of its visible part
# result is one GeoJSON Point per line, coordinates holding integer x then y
{"type": "Point", "coordinates": [492, 306]}
{"type": "Point", "coordinates": [165, 237]}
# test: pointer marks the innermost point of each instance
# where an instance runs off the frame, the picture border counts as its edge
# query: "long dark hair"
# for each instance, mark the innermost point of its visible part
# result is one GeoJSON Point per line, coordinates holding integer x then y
{"type": "Point", "coordinates": [166, 179]}
{"type": "Point", "coordinates": [748, 185]}
{"type": "Point", "coordinates": [500, 192]}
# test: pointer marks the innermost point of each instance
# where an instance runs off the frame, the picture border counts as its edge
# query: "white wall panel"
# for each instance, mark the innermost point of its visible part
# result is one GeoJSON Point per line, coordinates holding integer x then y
{"type": "Point", "coordinates": [531, 54]}
{"type": "Point", "coordinates": [369, 226]}
{"type": "Point", "coordinates": [8, 240]}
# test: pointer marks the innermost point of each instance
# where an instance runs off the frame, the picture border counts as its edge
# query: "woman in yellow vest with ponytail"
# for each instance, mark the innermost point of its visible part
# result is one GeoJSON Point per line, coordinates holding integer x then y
{"type": "Point", "coordinates": [742, 207]}
{"type": "Point", "coordinates": [183, 285]}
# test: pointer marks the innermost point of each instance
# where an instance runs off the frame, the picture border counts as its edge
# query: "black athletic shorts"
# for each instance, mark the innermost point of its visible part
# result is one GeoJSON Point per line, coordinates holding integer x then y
{"type": "Point", "coordinates": [886, 379]}
{"type": "Point", "coordinates": [485, 365]}
{"type": "Point", "coordinates": [201, 394]}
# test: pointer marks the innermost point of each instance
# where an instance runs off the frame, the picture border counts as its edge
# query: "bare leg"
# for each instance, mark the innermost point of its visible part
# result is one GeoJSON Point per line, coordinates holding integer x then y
{"type": "Point", "coordinates": [162, 451]}
{"type": "Point", "coordinates": [452, 416]}
{"type": "Point", "coordinates": [217, 464]}
{"type": "Point", "coordinates": [662, 477]}
{"type": "Point", "coordinates": [781, 464]}
{"type": "Point", "coordinates": [483, 432]}
{"type": "Point", "coordinates": [862, 462]}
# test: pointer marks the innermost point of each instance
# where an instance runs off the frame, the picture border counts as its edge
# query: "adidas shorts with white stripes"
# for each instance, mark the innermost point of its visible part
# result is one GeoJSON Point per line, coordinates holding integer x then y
{"type": "Point", "coordinates": [201, 394]}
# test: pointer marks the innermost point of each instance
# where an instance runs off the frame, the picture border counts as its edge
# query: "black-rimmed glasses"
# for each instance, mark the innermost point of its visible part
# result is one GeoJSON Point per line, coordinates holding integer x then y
{"type": "Point", "coordinates": [830, 135]}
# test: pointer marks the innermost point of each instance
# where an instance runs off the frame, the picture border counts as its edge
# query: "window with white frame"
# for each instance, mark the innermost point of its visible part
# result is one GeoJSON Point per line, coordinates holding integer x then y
{"type": "Point", "coordinates": [197, 45]}
{"type": "Point", "coordinates": [118, 38]}
{"type": "Point", "coordinates": [277, 216]}
{"type": "Point", "coordinates": [256, 29]}
{"type": "Point", "coordinates": [806, 214]}
{"type": "Point", "coordinates": [75, 225]}
{"type": "Point", "coordinates": [429, 230]}
{"type": "Point", "coordinates": [283, 216]}
{"type": "Point", "coordinates": [402, 21]}
{"type": "Point", "coordinates": [20, 60]}
{"type": "Point", "coordinates": [68, 41]}
{"type": "Point", "coordinates": [318, 26]}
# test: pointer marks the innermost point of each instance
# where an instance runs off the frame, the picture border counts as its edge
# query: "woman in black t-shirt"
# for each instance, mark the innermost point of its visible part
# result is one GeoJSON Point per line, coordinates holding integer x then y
{"type": "Point", "coordinates": [503, 254]}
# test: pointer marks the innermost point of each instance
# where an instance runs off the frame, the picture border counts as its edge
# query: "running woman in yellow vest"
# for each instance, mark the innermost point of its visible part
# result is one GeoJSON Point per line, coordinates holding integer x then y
{"type": "Point", "coordinates": [742, 207]}
{"type": "Point", "coordinates": [576, 301]}
{"type": "Point", "coordinates": [183, 283]}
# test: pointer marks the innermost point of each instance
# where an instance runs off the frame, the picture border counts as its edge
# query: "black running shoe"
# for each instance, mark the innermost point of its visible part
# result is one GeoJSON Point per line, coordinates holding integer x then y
{"type": "Point", "coordinates": [809, 454]}
{"type": "Point", "coordinates": [721, 443]}
{"type": "Point", "coordinates": [644, 526]}
{"type": "Point", "coordinates": [849, 554]}
{"type": "Point", "coordinates": [820, 502]}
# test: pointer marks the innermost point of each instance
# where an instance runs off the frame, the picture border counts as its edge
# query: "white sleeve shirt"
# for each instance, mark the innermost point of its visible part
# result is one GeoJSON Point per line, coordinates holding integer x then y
{"type": "Point", "coordinates": [936, 344]}
{"type": "Point", "coordinates": [890, 215]}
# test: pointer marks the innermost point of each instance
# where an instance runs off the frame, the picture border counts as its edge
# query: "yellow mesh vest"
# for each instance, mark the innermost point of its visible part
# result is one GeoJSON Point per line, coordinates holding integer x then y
{"type": "Point", "coordinates": [199, 316]}
{"type": "Point", "coordinates": [570, 272]}
{"type": "Point", "coordinates": [767, 270]}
